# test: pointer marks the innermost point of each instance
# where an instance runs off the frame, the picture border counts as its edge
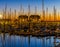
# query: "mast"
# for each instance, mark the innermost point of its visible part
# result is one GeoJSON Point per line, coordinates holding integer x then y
{"type": "Point", "coordinates": [10, 14]}
{"type": "Point", "coordinates": [35, 10]}
{"type": "Point", "coordinates": [58, 16]}
{"type": "Point", "coordinates": [43, 11]}
{"type": "Point", "coordinates": [46, 17]}
{"type": "Point", "coordinates": [5, 11]}
{"type": "Point", "coordinates": [15, 14]}
{"type": "Point", "coordinates": [54, 13]}
{"type": "Point", "coordinates": [28, 11]}
{"type": "Point", "coordinates": [21, 9]}
{"type": "Point", "coordinates": [49, 16]}
{"type": "Point", "coordinates": [58, 19]}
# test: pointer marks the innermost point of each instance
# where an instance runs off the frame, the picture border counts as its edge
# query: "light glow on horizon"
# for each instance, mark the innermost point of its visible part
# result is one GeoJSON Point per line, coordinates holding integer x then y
{"type": "Point", "coordinates": [1, 16]}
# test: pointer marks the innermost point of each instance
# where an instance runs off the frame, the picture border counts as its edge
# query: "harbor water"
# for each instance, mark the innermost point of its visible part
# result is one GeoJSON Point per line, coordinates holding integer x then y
{"type": "Point", "coordinates": [7, 40]}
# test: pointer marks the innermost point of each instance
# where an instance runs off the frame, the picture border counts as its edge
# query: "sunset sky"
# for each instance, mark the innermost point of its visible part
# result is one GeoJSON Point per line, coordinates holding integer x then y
{"type": "Point", "coordinates": [15, 4]}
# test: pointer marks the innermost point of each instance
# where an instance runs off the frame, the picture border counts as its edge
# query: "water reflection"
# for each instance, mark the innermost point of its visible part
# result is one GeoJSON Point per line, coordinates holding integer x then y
{"type": "Point", "coordinates": [7, 40]}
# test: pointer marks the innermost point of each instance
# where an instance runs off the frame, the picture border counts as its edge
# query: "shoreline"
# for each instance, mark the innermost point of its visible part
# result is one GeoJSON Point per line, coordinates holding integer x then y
{"type": "Point", "coordinates": [33, 34]}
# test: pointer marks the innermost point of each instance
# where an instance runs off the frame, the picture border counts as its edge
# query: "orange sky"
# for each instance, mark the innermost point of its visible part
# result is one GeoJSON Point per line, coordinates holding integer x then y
{"type": "Point", "coordinates": [49, 17]}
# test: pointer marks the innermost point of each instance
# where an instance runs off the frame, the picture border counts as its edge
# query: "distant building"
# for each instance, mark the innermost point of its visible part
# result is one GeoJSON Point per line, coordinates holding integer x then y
{"type": "Point", "coordinates": [34, 18]}
{"type": "Point", "coordinates": [23, 18]}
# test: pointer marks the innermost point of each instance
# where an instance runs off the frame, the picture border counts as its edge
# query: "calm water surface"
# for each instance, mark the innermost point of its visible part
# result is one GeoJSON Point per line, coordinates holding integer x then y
{"type": "Point", "coordinates": [7, 40]}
